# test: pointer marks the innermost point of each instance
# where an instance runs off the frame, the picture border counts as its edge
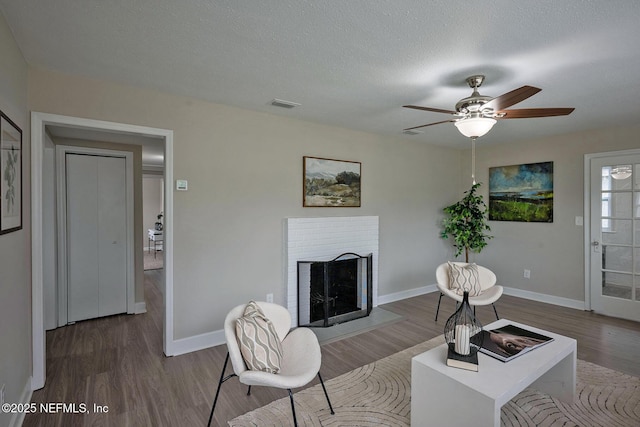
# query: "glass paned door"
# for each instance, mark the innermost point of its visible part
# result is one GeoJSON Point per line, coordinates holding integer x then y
{"type": "Point", "coordinates": [615, 236]}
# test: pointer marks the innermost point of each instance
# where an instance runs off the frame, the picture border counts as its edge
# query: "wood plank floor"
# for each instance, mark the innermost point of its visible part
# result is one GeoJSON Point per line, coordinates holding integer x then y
{"type": "Point", "coordinates": [117, 361]}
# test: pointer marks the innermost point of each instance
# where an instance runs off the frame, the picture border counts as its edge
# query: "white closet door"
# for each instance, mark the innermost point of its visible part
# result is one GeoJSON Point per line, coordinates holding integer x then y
{"type": "Point", "coordinates": [82, 258]}
{"type": "Point", "coordinates": [112, 232]}
{"type": "Point", "coordinates": [96, 227]}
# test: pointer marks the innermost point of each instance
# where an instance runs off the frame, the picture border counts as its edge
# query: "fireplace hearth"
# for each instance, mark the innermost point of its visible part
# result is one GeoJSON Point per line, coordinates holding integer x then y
{"type": "Point", "coordinates": [336, 291]}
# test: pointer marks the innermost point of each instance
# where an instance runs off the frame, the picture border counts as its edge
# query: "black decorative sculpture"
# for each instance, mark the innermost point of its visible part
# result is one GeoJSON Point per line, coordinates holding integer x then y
{"type": "Point", "coordinates": [463, 335]}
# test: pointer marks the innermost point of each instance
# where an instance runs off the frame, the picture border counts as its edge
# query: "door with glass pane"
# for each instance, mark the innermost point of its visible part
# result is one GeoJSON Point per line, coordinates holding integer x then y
{"type": "Point", "coordinates": [615, 236]}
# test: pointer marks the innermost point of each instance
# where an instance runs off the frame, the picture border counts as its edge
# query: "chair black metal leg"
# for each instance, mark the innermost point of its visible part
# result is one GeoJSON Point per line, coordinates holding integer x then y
{"type": "Point", "coordinates": [495, 311]}
{"type": "Point", "coordinates": [293, 408]}
{"type": "Point", "coordinates": [326, 394]}
{"type": "Point", "coordinates": [222, 379]}
{"type": "Point", "coordinates": [438, 309]}
{"type": "Point", "coordinates": [249, 391]}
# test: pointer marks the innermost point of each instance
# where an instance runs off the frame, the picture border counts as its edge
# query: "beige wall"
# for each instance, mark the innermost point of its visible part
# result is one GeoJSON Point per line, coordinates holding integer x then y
{"type": "Point", "coordinates": [15, 247]}
{"type": "Point", "coordinates": [244, 170]}
{"type": "Point", "coordinates": [553, 252]}
{"type": "Point", "coordinates": [245, 176]}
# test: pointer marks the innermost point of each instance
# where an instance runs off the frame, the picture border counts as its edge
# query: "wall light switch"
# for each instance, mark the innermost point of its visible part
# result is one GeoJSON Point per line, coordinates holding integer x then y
{"type": "Point", "coordinates": [579, 221]}
{"type": "Point", "coordinates": [182, 184]}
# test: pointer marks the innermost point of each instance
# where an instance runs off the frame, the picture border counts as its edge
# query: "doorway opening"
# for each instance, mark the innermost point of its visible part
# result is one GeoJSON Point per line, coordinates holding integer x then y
{"type": "Point", "coordinates": [612, 233]}
{"type": "Point", "coordinates": [39, 124]}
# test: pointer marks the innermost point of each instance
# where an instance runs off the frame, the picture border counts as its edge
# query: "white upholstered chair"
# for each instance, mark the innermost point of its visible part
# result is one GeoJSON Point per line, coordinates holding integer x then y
{"type": "Point", "coordinates": [301, 357]}
{"type": "Point", "coordinates": [490, 291]}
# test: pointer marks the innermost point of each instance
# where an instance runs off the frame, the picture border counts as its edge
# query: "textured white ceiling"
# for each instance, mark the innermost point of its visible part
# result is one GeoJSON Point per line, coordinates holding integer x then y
{"type": "Point", "coordinates": [354, 63]}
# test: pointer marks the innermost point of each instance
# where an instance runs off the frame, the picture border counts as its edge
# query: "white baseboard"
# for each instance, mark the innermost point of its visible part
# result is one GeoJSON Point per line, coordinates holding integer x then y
{"type": "Point", "coordinates": [549, 299]}
{"type": "Point", "coordinates": [18, 418]}
{"type": "Point", "coordinates": [520, 293]}
{"type": "Point", "coordinates": [140, 307]}
{"type": "Point", "coordinates": [198, 342]}
{"type": "Point", "coordinates": [215, 338]}
{"type": "Point", "coordinates": [397, 296]}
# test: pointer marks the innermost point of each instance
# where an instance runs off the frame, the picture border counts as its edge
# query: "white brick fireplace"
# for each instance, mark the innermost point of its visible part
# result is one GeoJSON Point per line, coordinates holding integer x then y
{"type": "Point", "coordinates": [323, 239]}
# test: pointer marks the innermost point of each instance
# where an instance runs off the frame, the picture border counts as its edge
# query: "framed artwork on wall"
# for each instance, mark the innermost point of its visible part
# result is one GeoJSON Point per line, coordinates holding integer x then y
{"type": "Point", "coordinates": [10, 175]}
{"type": "Point", "coordinates": [330, 183]}
{"type": "Point", "coordinates": [521, 192]}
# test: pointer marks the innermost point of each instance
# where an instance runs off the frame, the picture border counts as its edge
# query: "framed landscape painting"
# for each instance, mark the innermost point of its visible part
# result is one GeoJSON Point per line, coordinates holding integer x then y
{"type": "Point", "coordinates": [521, 193]}
{"type": "Point", "coordinates": [330, 183]}
{"type": "Point", "coordinates": [10, 175]}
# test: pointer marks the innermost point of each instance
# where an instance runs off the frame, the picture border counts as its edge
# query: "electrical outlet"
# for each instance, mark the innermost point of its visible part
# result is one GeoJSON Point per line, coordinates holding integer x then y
{"type": "Point", "coordinates": [269, 297]}
{"type": "Point", "coordinates": [527, 274]}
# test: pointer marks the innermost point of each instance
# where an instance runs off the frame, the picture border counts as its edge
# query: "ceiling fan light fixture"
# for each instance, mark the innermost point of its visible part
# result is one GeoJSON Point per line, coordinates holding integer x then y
{"type": "Point", "coordinates": [621, 172]}
{"type": "Point", "coordinates": [475, 127]}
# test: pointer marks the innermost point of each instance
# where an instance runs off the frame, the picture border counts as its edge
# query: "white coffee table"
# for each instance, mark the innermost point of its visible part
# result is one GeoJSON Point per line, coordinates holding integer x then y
{"type": "Point", "coordinates": [447, 396]}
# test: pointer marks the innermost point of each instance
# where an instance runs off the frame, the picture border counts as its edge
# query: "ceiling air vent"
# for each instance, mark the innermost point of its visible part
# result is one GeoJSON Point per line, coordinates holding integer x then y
{"type": "Point", "coordinates": [412, 132]}
{"type": "Point", "coordinates": [284, 104]}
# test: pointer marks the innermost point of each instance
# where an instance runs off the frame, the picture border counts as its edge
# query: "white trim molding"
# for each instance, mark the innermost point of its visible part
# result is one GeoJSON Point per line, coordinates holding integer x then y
{"type": "Point", "coordinates": [520, 293]}
{"type": "Point", "coordinates": [549, 299]}
{"type": "Point", "coordinates": [140, 308]}
{"type": "Point", "coordinates": [18, 417]}
{"type": "Point", "coordinates": [198, 342]}
{"type": "Point", "coordinates": [215, 338]}
{"type": "Point", "coordinates": [397, 296]}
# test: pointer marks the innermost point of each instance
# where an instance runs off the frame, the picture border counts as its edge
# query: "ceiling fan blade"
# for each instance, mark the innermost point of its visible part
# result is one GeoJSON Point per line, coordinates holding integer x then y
{"type": "Point", "coordinates": [511, 98]}
{"type": "Point", "coordinates": [435, 110]}
{"type": "Point", "coordinates": [430, 124]}
{"type": "Point", "coordinates": [534, 112]}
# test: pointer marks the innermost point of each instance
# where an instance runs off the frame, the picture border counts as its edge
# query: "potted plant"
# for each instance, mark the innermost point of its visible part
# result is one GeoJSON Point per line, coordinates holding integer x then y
{"type": "Point", "coordinates": [466, 223]}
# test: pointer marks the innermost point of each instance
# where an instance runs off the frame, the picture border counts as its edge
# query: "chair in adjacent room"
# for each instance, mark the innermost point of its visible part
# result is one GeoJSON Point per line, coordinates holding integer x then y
{"type": "Point", "coordinates": [300, 355]}
{"type": "Point", "coordinates": [488, 292]}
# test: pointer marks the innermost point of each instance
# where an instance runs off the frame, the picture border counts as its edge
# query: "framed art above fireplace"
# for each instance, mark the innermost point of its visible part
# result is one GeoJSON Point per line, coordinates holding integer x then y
{"type": "Point", "coordinates": [330, 183]}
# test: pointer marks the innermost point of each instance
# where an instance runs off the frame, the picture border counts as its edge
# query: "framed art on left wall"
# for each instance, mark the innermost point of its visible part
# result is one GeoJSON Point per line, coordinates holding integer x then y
{"type": "Point", "coordinates": [11, 175]}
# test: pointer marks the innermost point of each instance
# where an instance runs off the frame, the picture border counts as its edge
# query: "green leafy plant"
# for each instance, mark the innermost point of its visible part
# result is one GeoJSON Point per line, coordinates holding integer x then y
{"type": "Point", "coordinates": [466, 223]}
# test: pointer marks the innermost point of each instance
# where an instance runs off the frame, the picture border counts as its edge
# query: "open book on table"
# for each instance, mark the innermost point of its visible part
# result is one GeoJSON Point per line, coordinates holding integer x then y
{"type": "Point", "coordinates": [510, 341]}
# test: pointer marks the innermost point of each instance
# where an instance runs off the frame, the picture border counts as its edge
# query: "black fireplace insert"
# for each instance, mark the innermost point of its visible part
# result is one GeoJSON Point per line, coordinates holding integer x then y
{"type": "Point", "coordinates": [335, 291]}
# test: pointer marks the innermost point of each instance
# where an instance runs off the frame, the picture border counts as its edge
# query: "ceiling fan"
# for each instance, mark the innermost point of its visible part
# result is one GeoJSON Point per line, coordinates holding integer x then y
{"type": "Point", "coordinates": [475, 115]}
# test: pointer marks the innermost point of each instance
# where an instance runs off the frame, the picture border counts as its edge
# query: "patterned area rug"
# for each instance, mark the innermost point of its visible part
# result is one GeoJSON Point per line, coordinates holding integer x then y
{"type": "Point", "coordinates": [379, 394]}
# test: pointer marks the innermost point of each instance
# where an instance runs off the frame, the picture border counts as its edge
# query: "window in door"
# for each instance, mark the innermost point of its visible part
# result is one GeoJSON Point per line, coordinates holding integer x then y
{"type": "Point", "coordinates": [617, 197]}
